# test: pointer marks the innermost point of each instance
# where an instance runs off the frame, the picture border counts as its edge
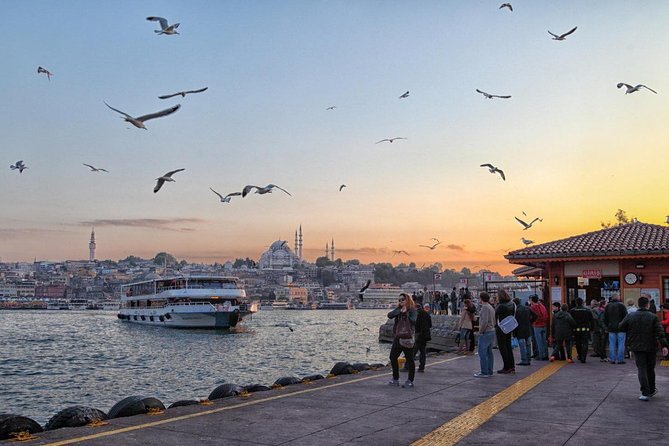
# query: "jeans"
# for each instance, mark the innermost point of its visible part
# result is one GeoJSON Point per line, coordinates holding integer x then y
{"type": "Point", "coordinates": [542, 346]}
{"type": "Point", "coordinates": [617, 346]}
{"type": "Point", "coordinates": [525, 345]}
{"type": "Point", "coordinates": [395, 351]}
{"type": "Point", "coordinates": [486, 358]}
{"type": "Point", "coordinates": [645, 364]}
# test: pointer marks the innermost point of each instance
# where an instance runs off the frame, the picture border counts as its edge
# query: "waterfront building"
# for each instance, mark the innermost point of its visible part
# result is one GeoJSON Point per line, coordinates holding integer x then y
{"type": "Point", "coordinates": [292, 293]}
{"type": "Point", "coordinates": [629, 259]}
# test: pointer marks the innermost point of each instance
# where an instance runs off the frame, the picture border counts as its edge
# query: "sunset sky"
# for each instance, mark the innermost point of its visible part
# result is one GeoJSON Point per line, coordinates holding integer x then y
{"type": "Point", "coordinates": [574, 147]}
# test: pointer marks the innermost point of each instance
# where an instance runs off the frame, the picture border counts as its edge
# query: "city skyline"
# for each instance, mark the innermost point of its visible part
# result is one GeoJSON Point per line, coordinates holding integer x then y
{"type": "Point", "coordinates": [573, 147]}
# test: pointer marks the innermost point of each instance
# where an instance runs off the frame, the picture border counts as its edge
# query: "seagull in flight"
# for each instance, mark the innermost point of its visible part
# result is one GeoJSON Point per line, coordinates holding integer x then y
{"type": "Point", "coordinates": [183, 93]}
{"type": "Point", "coordinates": [562, 36]}
{"type": "Point", "coordinates": [506, 5]}
{"type": "Point", "coordinates": [526, 241]}
{"type": "Point", "coordinates": [164, 178]}
{"type": "Point", "coordinates": [431, 247]}
{"type": "Point", "coordinates": [261, 190]}
{"type": "Point", "coordinates": [527, 226]}
{"type": "Point", "coordinates": [490, 96]}
{"type": "Point", "coordinates": [390, 140]}
{"type": "Point", "coordinates": [332, 107]}
{"type": "Point", "coordinates": [341, 187]}
{"type": "Point", "coordinates": [228, 197]}
{"type": "Point", "coordinates": [48, 73]}
{"type": "Point", "coordinates": [630, 89]}
{"type": "Point", "coordinates": [18, 166]}
{"type": "Point", "coordinates": [361, 293]}
{"type": "Point", "coordinates": [95, 169]}
{"type": "Point", "coordinates": [165, 28]}
{"type": "Point", "coordinates": [493, 169]}
{"type": "Point", "coordinates": [404, 95]}
{"type": "Point", "coordinates": [401, 251]}
{"type": "Point", "coordinates": [139, 121]}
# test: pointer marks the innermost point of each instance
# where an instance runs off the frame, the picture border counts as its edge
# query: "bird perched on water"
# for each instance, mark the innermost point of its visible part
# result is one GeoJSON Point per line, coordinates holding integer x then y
{"type": "Point", "coordinates": [526, 241]}
{"type": "Point", "coordinates": [630, 89]}
{"type": "Point", "coordinates": [562, 36]}
{"type": "Point", "coordinates": [165, 28]}
{"type": "Point", "coordinates": [48, 73]}
{"type": "Point", "coordinates": [490, 96]}
{"type": "Point", "coordinates": [341, 187]}
{"type": "Point", "coordinates": [95, 169]}
{"type": "Point", "coordinates": [183, 93]}
{"type": "Point", "coordinates": [390, 140]}
{"type": "Point", "coordinates": [139, 121]}
{"type": "Point", "coordinates": [493, 169]}
{"type": "Point", "coordinates": [432, 246]}
{"type": "Point", "coordinates": [167, 177]}
{"type": "Point", "coordinates": [332, 107]}
{"type": "Point", "coordinates": [404, 95]}
{"type": "Point", "coordinates": [261, 190]}
{"type": "Point", "coordinates": [527, 226]}
{"type": "Point", "coordinates": [228, 197]}
{"type": "Point", "coordinates": [18, 166]}
{"type": "Point", "coordinates": [506, 5]}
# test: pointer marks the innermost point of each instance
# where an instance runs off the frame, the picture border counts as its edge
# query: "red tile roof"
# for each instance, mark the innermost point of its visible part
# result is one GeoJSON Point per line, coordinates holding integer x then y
{"type": "Point", "coordinates": [631, 239]}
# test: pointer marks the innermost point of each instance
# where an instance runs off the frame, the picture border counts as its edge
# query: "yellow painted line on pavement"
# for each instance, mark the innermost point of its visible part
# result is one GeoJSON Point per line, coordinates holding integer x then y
{"type": "Point", "coordinates": [664, 363]}
{"type": "Point", "coordinates": [467, 422]}
{"type": "Point", "coordinates": [220, 409]}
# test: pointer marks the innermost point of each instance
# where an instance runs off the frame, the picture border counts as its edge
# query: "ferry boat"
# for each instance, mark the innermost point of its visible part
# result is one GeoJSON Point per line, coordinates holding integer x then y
{"type": "Point", "coordinates": [58, 304]}
{"type": "Point", "coordinates": [335, 306]}
{"type": "Point", "coordinates": [78, 304]}
{"type": "Point", "coordinates": [184, 302]}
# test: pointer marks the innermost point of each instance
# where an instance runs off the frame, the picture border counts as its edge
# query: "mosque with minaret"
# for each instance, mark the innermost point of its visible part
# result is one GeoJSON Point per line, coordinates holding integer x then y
{"type": "Point", "coordinates": [280, 256]}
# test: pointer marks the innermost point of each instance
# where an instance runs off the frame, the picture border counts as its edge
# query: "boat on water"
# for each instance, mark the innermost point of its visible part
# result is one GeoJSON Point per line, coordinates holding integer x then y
{"type": "Point", "coordinates": [78, 304]}
{"type": "Point", "coordinates": [57, 304]}
{"type": "Point", "coordinates": [335, 306]}
{"type": "Point", "coordinates": [185, 302]}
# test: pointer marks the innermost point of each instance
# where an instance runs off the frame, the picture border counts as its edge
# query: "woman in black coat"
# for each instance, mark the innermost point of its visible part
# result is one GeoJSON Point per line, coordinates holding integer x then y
{"type": "Point", "coordinates": [523, 332]}
{"type": "Point", "coordinates": [505, 308]}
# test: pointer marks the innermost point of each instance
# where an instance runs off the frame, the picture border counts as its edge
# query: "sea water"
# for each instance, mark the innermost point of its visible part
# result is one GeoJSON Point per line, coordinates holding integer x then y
{"type": "Point", "coordinates": [50, 360]}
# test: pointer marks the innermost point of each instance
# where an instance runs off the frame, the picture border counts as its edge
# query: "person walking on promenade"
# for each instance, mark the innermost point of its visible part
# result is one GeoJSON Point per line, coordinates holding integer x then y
{"type": "Point", "coordinates": [405, 311]}
{"type": "Point", "coordinates": [523, 332]}
{"type": "Point", "coordinates": [614, 313]}
{"type": "Point", "coordinates": [561, 332]}
{"type": "Point", "coordinates": [454, 302]}
{"type": "Point", "coordinates": [598, 332]}
{"type": "Point", "coordinates": [584, 324]}
{"type": "Point", "coordinates": [465, 325]}
{"type": "Point", "coordinates": [486, 337]}
{"type": "Point", "coordinates": [423, 326]}
{"type": "Point", "coordinates": [539, 326]}
{"type": "Point", "coordinates": [665, 322]}
{"type": "Point", "coordinates": [644, 332]}
{"type": "Point", "coordinates": [505, 308]}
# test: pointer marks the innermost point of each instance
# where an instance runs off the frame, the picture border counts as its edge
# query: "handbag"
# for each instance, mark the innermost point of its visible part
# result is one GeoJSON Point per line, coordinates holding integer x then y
{"type": "Point", "coordinates": [407, 342]}
{"type": "Point", "coordinates": [509, 323]}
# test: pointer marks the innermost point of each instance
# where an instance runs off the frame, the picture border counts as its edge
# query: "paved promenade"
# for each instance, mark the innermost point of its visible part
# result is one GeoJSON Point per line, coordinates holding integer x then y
{"type": "Point", "coordinates": [544, 404]}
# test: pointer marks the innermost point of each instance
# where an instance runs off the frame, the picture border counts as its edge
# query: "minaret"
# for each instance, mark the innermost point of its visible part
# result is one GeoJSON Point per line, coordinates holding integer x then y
{"type": "Point", "coordinates": [91, 247]}
{"type": "Point", "coordinates": [300, 256]}
{"type": "Point", "coordinates": [332, 249]}
{"type": "Point", "coordinates": [295, 246]}
{"type": "Point", "coordinates": [327, 251]}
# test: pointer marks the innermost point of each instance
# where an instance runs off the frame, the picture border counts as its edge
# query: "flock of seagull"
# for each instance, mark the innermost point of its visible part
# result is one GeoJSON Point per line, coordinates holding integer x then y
{"type": "Point", "coordinates": [139, 122]}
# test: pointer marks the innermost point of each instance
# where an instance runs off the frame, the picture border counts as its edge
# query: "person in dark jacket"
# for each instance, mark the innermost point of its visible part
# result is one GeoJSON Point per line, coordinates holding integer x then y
{"type": "Point", "coordinates": [423, 326]}
{"type": "Point", "coordinates": [406, 308]}
{"type": "Point", "coordinates": [524, 332]}
{"type": "Point", "coordinates": [644, 331]}
{"type": "Point", "coordinates": [584, 324]}
{"type": "Point", "coordinates": [561, 332]}
{"type": "Point", "coordinates": [614, 313]}
{"type": "Point", "coordinates": [504, 308]}
{"type": "Point", "coordinates": [598, 331]}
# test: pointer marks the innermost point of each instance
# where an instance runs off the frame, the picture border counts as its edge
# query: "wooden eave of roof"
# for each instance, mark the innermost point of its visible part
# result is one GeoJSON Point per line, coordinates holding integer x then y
{"type": "Point", "coordinates": [539, 259]}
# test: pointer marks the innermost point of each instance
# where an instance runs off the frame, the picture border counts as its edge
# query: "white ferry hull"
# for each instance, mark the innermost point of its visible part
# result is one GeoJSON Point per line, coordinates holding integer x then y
{"type": "Point", "coordinates": [214, 319]}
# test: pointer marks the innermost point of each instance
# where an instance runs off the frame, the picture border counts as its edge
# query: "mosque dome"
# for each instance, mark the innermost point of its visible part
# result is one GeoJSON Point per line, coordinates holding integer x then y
{"type": "Point", "coordinates": [278, 256]}
{"type": "Point", "coordinates": [279, 244]}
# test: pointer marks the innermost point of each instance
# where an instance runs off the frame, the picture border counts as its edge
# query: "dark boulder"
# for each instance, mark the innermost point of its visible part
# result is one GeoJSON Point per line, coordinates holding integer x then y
{"type": "Point", "coordinates": [286, 381]}
{"type": "Point", "coordinates": [224, 391]}
{"type": "Point", "coordinates": [361, 366]}
{"type": "Point", "coordinates": [182, 403]}
{"type": "Point", "coordinates": [342, 368]}
{"type": "Point", "coordinates": [13, 424]}
{"type": "Point", "coordinates": [74, 416]}
{"type": "Point", "coordinates": [256, 388]}
{"type": "Point", "coordinates": [312, 378]}
{"type": "Point", "coordinates": [127, 407]}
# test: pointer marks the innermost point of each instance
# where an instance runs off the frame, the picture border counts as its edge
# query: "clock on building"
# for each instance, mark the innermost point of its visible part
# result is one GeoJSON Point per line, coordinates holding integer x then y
{"type": "Point", "coordinates": [631, 278]}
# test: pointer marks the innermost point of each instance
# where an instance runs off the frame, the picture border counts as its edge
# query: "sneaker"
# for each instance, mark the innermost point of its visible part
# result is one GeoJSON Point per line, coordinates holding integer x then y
{"type": "Point", "coordinates": [604, 360]}
{"type": "Point", "coordinates": [653, 393]}
{"type": "Point", "coordinates": [394, 382]}
{"type": "Point", "coordinates": [570, 361]}
{"type": "Point", "coordinates": [408, 384]}
{"type": "Point", "coordinates": [644, 398]}
{"type": "Point", "coordinates": [552, 359]}
{"type": "Point", "coordinates": [481, 375]}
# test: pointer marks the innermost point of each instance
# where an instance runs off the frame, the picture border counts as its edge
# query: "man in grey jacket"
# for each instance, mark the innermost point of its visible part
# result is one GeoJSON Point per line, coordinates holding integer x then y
{"type": "Point", "coordinates": [644, 331]}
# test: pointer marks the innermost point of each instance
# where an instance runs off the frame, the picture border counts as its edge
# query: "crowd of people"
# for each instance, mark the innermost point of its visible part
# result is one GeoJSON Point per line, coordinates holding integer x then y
{"type": "Point", "coordinates": [630, 331]}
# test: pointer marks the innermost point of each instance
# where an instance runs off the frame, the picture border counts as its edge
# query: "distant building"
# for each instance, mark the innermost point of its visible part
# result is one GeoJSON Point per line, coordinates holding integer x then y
{"type": "Point", "coordinates": [91, 247]}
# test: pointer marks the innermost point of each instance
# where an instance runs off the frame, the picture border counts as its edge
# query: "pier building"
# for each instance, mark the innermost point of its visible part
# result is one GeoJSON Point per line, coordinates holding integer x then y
{"type": "Point", "coordinates": [629, 259]}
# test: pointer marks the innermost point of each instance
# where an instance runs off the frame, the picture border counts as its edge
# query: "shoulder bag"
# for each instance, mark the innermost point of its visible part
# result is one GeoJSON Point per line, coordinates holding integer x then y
{"type": "Point", "coordinates": [509, 323]}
